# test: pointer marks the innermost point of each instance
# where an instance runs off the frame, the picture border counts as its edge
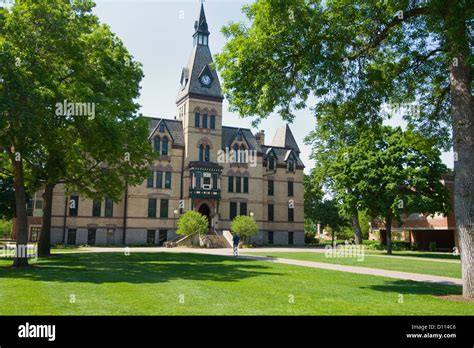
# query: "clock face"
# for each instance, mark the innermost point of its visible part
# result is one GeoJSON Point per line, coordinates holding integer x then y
{"type": "Point", "coordinates": [206, 80]}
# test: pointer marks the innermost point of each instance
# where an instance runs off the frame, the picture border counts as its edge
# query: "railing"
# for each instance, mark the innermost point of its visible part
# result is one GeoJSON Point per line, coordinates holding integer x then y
{"type": "Point", "coordinates": [228, 237]}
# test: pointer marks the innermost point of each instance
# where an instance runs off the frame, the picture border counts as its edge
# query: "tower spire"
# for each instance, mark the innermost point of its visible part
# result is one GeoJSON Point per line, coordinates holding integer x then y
{"type": "Point", "coordinates": [201, 34]}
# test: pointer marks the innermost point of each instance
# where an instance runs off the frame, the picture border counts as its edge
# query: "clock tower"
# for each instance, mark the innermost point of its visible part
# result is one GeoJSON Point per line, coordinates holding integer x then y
{"type": "Point", "coordinates": [199, 108]}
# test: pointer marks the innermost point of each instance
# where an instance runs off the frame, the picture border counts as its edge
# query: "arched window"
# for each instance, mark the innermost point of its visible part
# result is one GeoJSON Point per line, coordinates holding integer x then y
{"type": "Point", "coordinates": [207, 157]}
{"type": "Point", "coordinates": [201, 152]}
{"type": "Point", "coordinates": [162, 127]}
{"type": "Point", "coordinates": [236, 153]}
{"type": "Point", "coordinates": [242, 154]}
{"type": "Point", "coordinates": [164, 152]}
{"type": "Point", "coordinates": [156, 144]}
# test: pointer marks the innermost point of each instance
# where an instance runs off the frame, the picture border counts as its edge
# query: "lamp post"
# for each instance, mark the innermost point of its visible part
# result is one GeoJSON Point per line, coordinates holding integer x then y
{"type": "Point", "coordinates": [175, 212]}
{"type": "Point", "coordinates": [251, 215]}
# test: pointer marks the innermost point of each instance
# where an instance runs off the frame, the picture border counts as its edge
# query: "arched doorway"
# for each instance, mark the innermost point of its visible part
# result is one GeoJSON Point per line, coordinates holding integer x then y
{"type": "Point", "coordinates": [206, 211]}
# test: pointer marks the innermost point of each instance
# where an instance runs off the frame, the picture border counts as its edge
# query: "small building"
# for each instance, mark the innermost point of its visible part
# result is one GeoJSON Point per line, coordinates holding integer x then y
{"type": "Point", "coordinates": [424, 231]}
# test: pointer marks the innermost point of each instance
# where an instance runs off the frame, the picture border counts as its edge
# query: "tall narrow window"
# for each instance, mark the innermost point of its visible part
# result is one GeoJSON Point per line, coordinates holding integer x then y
{"type": "Point", "coordinates": [204, 121]}
{"type": "Point", "coordinates": [29, 207]}
{"type": "Point", "coordinates": [207, 154]}
{"type": "Point", "coordinates": [213, 121]}
{"type": "Point", "coordinates": [233, 210]}
{"type": "Point", "coordinates": [109, 207]}
{"type": "Point", "coordinates": [168, 180]}
{"type": "Point", "coordinates": [196, 119]}
{"type": "Point", "coordinates": [73, 205]}
{"type": "Point", "coordinates": [271, 163]}
{"type": "Point", "coordinates": [164, 151]}
{"type": "Point", "coordinates": [156, 144]}
{"type": "Point", "coordinates": [214, 182]}
{"type": "Point", "coordinates": [290, 188]}
{"type": "Point", "coordinates": [246, 184]}
{"type": "Point", "coordinates": [236, 153]}
{"type": "Point", "coordinates": [150, 237]}
{"type": "Point", "coordinates": [270, 237]}
{"type": "Point", "coordinates": [198, 180]}
{"type": "Point", "coordinates": [270, 187]}
{"type": "Point", "coordinates": [149, 180]}
{"type": "Point", "coordinates": [159, 179]}
{"type": "Point", "coordinates": [238, 184]}
{"type": "Point", "coordinates": [291, 165]}
{"type": "Point", "coordinates": [164, 208]}
{"type": "Point", "coordinates": [152, 207]}
{"type": "Point", "coordinates": [243, 208]}
{"type": "Point", "coordinates": [96, 207]}
{"type": "Point", "coordinates": [91, 233]}
{"type": "Point", "coordinates": [242, 157]}
{"type": "Point", "coordinates": [201, 152]}
{"type": "Point", "coordinates": [290, 238]}
{"type": "Point", "coordinates": [239, 136]}
{"type": "Point", "coordinates": [162, 127]}
{"type": "Point", "coordinates": [271, 216]}
{"type": "Point", "coordinates": [230, 184]}
{"type": "Point", "coordinates": [291, 216]}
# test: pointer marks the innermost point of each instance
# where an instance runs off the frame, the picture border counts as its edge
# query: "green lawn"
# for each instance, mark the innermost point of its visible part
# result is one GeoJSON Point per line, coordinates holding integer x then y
{"type": "Point", "coordinates": [447, 269]}
{"type": "Point", "coordinates": [154, 284]}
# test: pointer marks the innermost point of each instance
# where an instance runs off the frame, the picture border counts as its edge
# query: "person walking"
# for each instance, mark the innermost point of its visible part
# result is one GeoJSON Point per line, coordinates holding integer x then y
{"type": "Point", "coordinates": [236, 241]}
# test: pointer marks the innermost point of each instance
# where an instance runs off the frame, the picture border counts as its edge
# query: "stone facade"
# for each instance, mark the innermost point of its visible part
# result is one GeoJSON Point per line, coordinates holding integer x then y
{"type": "Point", "coordinates": [193, 172]}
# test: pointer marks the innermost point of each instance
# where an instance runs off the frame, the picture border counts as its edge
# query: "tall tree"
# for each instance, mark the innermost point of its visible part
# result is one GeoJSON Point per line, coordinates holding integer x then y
{"type": "Point", "coordinates": [364, 54]}
{"type": "Point", "coordinates": [68, 104]}
{"type": "Point", "coordinates": [328, 137]}
{"type": "Point", "coordinates": [392, 173]}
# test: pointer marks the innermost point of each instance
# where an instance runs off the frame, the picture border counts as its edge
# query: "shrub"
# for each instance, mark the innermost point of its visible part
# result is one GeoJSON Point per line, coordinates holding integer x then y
{"type": "Point", "coordinates": [192, 222]}
{"type": "Point", "coordinates": [244, 226]}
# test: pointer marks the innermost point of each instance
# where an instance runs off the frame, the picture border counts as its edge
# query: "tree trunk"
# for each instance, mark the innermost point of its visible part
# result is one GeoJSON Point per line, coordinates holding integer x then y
{"type": "Point", "coordinates": [21, 257]}
{"type": "Point", "coordinates": [463, 137]}
{"type": "Point", "coordinates": [356, 227]}
{"type": "Point", "coordinates": [44, 242]}
{"type": "Point", "coordinates": [388, 229]}
{"type": "Point", "coordinates": [463, 143]}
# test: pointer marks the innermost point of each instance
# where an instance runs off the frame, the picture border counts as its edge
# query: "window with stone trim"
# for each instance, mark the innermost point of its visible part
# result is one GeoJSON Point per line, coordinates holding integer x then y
{"type": "Point", "coordinates": [197, 117]}
{"type": "Point", "coordinates": [152, 207]}
{"type": "Point", "coordinates": [232, 210]}
{"type": "Point", "coordinates": [213, 122]}
{"type": "Point", "coordinates": [164, 203]}
{"type": "Point", "coordinates": [159, 179]}
{"type": "Point", "coordinates": [290, 188]}
{"type": "Point", "coordinates": [164, 150]}
{"type": "Point", "coordinates": [230, 187]}
{"type": "Point", "coordinates": [168, 180]}
{"type": "Point", "coordinates": [246, 184]}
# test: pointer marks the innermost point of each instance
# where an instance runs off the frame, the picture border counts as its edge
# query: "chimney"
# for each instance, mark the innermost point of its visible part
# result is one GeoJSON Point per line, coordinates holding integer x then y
{"type": "Point", "coordinates": [260, 137]}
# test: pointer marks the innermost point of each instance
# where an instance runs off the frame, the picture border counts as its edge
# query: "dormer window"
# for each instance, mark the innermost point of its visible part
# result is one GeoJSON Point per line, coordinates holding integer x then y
{"type": "Point", "coordinates": [271, 163]}
{"type": "Point", "coordinates": [162, 128]}
{"type": "Point", "coordinates": [291, 165]}
{"type": "Point", "coordinates": [239, 136]}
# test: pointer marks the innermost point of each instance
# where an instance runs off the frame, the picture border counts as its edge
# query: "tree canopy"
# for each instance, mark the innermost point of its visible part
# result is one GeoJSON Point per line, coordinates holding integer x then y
{"type": "Point", "coordinates": [192, 222]}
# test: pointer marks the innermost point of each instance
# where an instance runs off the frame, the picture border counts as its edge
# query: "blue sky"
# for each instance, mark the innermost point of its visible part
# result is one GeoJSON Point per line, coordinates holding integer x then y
{"type": "Point", "coordinates": [158, 34]}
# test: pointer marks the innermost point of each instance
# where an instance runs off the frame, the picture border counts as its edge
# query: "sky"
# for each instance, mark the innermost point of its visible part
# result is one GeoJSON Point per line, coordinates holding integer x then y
{"type": "Point", "coordinates": [158, 33]}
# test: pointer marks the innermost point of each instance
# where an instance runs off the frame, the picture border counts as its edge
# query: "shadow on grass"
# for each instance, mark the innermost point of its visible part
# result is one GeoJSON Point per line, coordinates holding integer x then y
{"type": "Point", "coordinates": [408, 287]}
{"type": "Point", "coordinates": [138, 268]}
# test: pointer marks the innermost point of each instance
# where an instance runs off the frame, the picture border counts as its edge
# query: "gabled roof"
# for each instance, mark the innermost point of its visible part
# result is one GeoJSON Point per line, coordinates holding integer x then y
{"type": "Point", "coordinates": [282, 154]}
{"type": "Point", "coordinates": [175, 128]}
{"type": "Point", "coordinates": [229, 134]}
{"type": "Point", "coordinates": [284, 138]}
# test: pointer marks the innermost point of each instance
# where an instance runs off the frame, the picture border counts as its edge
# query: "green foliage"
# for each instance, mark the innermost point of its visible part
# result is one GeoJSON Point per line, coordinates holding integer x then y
{"type": "Point", "coordinates": [5, 228]}
{"type": "Point", "coordinates": [191, 223]}
{"type": "Point", "coordinates": [318, 209]}
{"type": "Point", "coordinates": [7, 198]}
{"type": "Point", "coordinates": [364, 220]}
{"type": "Point", "coordinates": [244, 226]}
{"type": "Point", "coordinates": [392, 172]}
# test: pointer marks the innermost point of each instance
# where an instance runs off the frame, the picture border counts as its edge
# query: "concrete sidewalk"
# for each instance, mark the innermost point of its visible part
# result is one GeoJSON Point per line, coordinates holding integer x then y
{"type": "Point", "coordinates": [333, 267]}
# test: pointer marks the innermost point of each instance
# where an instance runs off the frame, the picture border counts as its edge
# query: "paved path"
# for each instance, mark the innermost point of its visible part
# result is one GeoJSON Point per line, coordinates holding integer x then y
{"type": "Point", "coordinates": [350, 269]}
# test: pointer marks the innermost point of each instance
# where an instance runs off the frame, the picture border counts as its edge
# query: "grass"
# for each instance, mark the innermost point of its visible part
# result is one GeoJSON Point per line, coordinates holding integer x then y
{"type": "Point", "coordinates": [446, 269]}
{"type": "Point", "coordinates": [154, 284]}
